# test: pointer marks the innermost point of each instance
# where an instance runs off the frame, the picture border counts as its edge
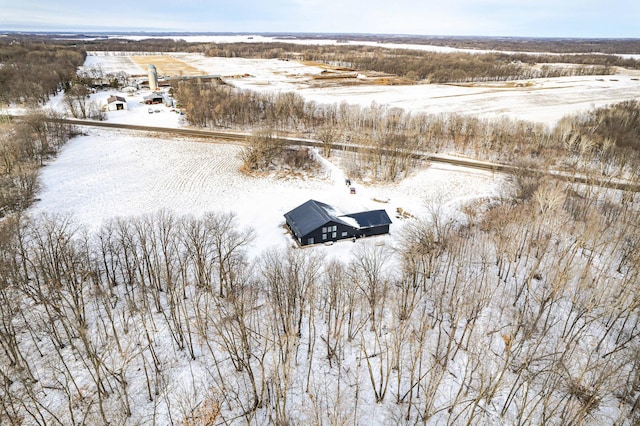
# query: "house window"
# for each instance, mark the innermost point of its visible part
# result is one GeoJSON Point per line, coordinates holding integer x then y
{"type": "Point", "coordinates": [324, 236]}
{"type": "Point", "coordinates": [335, 228]}
{"type": "Point", "coordinates": [324, 229]}
{"type": "Point", "coordinates": [334, 235]}
{"type": "Point", "coordinates": [344, 233]}
{"type": "Point", "coordinates": [310, 241]}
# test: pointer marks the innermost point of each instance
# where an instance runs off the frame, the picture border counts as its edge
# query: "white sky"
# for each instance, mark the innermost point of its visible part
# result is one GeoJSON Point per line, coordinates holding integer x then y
{"type": "Point", "coordinates": [536, 18]}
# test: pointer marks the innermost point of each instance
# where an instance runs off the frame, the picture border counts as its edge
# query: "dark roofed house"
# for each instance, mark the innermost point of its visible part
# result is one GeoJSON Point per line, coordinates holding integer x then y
{"type": "Point", "coordinates": [314, 222]}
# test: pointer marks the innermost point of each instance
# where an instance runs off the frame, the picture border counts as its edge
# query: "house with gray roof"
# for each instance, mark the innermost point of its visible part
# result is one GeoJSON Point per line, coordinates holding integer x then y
{"type": "Point", "coordinates": [314, 222]}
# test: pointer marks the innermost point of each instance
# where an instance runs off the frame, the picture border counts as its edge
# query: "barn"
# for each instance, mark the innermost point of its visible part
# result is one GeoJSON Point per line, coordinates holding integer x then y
{"type": "Point", "coordinates": [116, 103]}
{"type": "Point", "coordinates": [314, 222]}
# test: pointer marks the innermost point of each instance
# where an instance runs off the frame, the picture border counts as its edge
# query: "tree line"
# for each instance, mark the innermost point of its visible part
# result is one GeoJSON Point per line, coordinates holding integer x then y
{"type": "Point", "coordinates": [608, 46]}
{"type": "Point", "coordinates": [512, 44]}
{"type": "Point", "coordinates": [435, 67]}
{"type": "Point", "coordinates": [25, 144]}
{"type": "Point", "coordinates": [601, 142]}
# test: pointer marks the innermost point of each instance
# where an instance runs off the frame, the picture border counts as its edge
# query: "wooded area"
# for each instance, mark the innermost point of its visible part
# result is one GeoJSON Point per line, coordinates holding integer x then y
{"type": "Point", "coordinates": [32, 72]}
{"type": "Point", "coordinates": [528, 312]}
{"type": "Point", "coordinates": [24, 146]}
{"type": "Point", "coordinates": [510, 44]}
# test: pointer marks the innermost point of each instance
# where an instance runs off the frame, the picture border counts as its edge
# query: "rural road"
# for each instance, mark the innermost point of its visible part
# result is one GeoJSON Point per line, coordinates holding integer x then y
{"type": "Point", "coordinates": [239, 137]}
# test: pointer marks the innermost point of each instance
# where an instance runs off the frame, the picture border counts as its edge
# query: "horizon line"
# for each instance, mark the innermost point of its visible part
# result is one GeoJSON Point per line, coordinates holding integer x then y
{"type": "Point", "coordinates": [305, 33]}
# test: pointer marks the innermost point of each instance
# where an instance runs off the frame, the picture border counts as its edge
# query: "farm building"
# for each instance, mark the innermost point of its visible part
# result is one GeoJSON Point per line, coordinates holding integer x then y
{"type": "Point", "coordinates": [314, 222]}
{"type": "Point", "coordinates": [116, 103]}
{"type": "Point", "coordinates": [158, 98]}
{"type": "Point", "coordinates": [154, 98]}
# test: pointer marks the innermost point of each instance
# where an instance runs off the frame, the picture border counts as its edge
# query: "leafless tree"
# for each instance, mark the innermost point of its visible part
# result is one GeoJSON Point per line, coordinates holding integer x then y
{"type": "Point", "coordinates": [367, 273]}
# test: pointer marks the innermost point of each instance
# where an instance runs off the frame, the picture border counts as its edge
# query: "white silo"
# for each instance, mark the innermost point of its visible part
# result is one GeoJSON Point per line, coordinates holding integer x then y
{"type": "Point", "coordinates": [153, 76]}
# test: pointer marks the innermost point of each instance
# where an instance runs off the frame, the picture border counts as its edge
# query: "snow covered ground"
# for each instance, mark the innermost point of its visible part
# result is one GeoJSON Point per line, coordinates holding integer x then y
{"type": "Point", "coordinates": [137, 112]}
{"type": "Point", "coordinates": [544, 100]}
{"type": "Point", "coordinates": [108, 174]}
{"type": "Point", "coordinates": [115, 63]}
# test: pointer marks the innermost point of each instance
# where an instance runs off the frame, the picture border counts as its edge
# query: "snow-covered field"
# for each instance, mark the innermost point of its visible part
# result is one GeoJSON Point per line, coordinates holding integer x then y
{"type": "Point", "coordinates": [544, 100]}
{"type": "Point", "coordinates": [108, 174]}
{"type": "Point", "coordinates": [111, 63]}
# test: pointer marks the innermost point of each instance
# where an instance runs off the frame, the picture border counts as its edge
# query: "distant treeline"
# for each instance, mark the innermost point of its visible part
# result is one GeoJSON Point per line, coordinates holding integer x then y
{"type": "Point", "coordinates": [610, 46]}
{"type": "Point", "coordinates": [432, 66]}
{"type": "Point", "coordinates": [464, 67]}
{"type": "Point", "coordinates": [435, 67]}
{"type": "Point", "coordinates": [146, 45]}
{"type": "Point", "coordinates": [514, 44]}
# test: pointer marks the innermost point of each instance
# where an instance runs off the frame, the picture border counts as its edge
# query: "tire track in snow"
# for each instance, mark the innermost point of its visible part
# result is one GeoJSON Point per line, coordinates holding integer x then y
{"type": "Point", "coordinates": [208, 169]}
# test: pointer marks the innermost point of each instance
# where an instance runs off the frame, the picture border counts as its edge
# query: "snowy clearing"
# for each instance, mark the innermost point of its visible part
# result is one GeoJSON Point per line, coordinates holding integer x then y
{"type": "Point", "coordinates": [109, 174]}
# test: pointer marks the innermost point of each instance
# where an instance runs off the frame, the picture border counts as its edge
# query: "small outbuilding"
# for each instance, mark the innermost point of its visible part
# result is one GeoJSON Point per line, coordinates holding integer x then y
{"type": "Point", "coordinates": [157, 98]}
{"type": "Point", "coordinates": [154, 99]}
{"type": "Point", "coordinates": [314, 222]}
{"type": "Point", "coordinates": [116, 103]}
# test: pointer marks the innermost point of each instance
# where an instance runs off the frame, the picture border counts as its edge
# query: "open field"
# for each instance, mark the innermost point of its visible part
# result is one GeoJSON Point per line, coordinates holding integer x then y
{"type": "Point", "coordinates": [115, 63]}
{"type": "Point", "coordinates": [539, 100]}
{"type": "Point", "coordinates": [109, 174]}
{"type": "Point", "coordinates": [166, 65]}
